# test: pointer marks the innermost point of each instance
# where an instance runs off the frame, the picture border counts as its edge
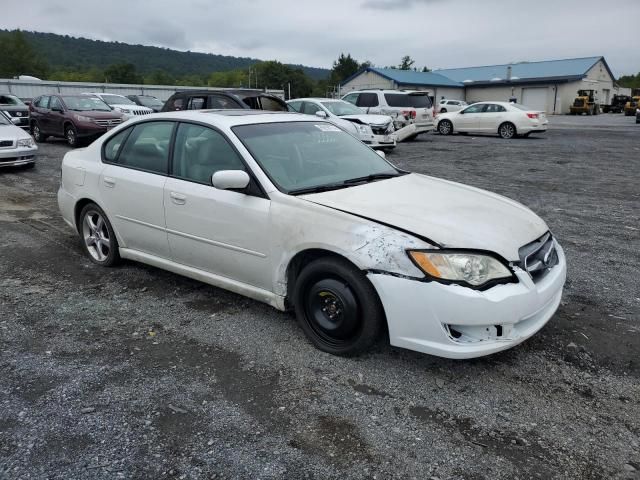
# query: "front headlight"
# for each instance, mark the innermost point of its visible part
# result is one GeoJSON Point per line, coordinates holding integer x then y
{"type": "Point", "coordinates": [124, 110]}
{"type": "Point", "coordinates": [25, 142]}
{"type": "Point", "coordinates": [83, 118]}
{"type": "Point", "coordinates": [365, 129]}
{"type": "Point", "coordinates": [460, 267]}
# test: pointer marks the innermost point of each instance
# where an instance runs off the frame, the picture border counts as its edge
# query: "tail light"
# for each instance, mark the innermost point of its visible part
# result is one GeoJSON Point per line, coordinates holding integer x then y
{"type": "Point", "coordinates": [532, 115]}
{"type": "Point", "coordinates": [409, 113]}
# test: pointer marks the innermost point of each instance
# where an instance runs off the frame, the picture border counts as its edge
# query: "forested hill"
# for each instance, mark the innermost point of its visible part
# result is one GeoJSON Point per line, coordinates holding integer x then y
{"type": "Point", "coordinates": [62, 52]}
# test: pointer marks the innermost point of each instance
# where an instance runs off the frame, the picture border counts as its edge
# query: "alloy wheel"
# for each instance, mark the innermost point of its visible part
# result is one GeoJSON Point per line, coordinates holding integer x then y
{"type": "Point", "coordinates": [507, 130]}
{"type": "Point", "coordinates": [96, 235]}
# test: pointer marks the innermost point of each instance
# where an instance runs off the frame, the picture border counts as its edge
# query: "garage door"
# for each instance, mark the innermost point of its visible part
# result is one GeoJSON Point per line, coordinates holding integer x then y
{"type": "Point", "coordinates": [535, 98]}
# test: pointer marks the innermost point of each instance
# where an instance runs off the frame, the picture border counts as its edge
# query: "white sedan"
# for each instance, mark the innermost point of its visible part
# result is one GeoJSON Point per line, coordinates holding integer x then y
{"type": "Point", "coordinates": [506, 119]}
{"type": "Point", "coordinates": [374, 130]}
{"type": "Point", "coordinates": [293, 211]}
{"type": "Point", "coordinates": [17, 148]}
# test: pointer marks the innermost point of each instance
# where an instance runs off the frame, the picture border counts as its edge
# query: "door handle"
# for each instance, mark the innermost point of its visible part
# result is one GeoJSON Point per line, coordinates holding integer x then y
{"type": "Point", "coordinates": [178, 198]}
{"type": "Point", "coordinates": [109, 182]}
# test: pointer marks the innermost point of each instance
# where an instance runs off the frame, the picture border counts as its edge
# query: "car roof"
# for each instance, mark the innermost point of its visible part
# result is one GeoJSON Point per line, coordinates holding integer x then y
{"type": "Point", "coordinates": [233, 117]}
{"type": "Point", "coordinates": [234, 91]}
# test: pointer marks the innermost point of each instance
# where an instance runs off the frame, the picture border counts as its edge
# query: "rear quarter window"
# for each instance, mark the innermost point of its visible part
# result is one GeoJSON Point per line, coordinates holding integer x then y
{"type": "Point", "coordinates": [397, 99]}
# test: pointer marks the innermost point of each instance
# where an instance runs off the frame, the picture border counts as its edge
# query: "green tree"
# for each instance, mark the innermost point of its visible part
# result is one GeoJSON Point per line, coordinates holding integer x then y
{"type": "Point", "coordinates": [343, 68]}
{"type": "Point", "coordinates": [425, 69]}
{"type": "Point", "coordinates": [406, 63]}
{"type": "Point", "coordinates": [18, 57]}
{"type": "Point", "coordinates": [122, 73]}
{"type": "Point", "coordinates": [630, 81]}
{"type": "Point", "coordinates": [273, 74]}
{"type": "Point", "coordinates": [159, 77]}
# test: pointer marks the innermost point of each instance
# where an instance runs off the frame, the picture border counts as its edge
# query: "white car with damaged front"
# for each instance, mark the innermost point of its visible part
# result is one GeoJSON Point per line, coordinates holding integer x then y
{"type": "Point", "coordinates": [373, 130]}
{"type": "Point", "coordinates": [293, 211]}
{"type": "Point", "coordinates": [506, 119]}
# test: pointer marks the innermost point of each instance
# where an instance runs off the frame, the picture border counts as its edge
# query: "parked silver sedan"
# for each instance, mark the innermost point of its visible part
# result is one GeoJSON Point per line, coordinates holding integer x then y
{"type": "Point", "coordinates": [17, 148]}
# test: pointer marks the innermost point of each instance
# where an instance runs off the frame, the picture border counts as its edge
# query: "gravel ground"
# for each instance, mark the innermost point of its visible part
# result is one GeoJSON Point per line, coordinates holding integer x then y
{"type": "Point", "coordinates": [134, 372]}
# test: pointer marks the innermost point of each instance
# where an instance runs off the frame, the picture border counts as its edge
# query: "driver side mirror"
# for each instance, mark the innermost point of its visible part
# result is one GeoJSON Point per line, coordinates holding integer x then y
{"type": "Point", "coordinates": [321, 114]}
{"type": "Point", "coordinates": [230, 179]}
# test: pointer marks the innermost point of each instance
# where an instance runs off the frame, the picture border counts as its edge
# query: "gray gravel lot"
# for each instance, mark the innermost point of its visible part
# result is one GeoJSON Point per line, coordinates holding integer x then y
{"type": "Point", "coordinates": [133, 372]}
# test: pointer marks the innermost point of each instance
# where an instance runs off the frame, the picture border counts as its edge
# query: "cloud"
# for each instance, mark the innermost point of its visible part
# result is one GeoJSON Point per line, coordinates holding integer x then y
{"type": "Point", "coordinates": [394, 4]}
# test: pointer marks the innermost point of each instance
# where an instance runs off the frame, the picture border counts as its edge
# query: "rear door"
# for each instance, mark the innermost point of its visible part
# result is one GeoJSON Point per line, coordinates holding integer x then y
{"type": "Point", "coordinates": [493, 116]}
{"type": "Point", "coordinates": [132, 185]}
{"type": "Point", "coordinates": [41, 113]}
{"type": "Point", "coordinates": [56, 117]}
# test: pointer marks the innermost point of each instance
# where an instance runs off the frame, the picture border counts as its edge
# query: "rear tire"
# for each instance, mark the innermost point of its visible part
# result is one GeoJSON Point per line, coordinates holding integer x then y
{"type": "Point", "coordinates": [337, 307]}
{"type": "Point", "coordinates": [445, 127]}
{"type": "Point", "coordinates": [507, 130]}
{"type": "Point", "coordinates": [98, 238]}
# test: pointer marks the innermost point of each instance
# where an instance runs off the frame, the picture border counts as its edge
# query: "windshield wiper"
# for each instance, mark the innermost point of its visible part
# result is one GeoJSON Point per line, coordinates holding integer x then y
{"type": "Point", "coordinates": [318, 189]}
{"type": "Point", "coordinates": [372, 177]}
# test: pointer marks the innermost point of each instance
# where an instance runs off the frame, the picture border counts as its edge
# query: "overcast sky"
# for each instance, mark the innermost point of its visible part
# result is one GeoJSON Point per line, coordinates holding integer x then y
{"type": "Point", "coordinates": [435, 33]}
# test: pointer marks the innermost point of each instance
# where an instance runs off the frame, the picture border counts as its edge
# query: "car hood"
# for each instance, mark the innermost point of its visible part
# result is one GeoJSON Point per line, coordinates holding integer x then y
{"type": "Point", "coordinates": [12, 132]}
{"type": "Point", "coordinates": [447, 213]}
{"type": "Point", "coordinates": [369, 119]}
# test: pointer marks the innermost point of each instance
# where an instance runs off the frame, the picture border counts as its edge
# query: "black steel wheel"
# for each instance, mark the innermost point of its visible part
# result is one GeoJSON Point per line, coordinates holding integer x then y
{"type": "Point", "coordinates": [337, 307]}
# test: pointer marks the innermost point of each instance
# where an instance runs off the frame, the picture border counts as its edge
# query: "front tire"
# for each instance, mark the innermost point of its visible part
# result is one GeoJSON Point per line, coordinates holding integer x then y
{"type": "Point", "coordinates": [445, 127]}
{"type": "Point", "coordinates": [37, 134]}
{"type": "Point", "coordinates": [98, 238]}
{"type": "Point", "coordinates": [71, 135]}
{"type": "Point", "coordinates": [337, 307]}
{"type": "Point", "coordinates": [507, 130]}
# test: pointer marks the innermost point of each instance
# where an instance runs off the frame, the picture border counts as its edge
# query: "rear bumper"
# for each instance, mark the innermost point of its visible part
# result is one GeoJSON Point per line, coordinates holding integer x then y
{"type": "Point", "coordinates": [457, 322]}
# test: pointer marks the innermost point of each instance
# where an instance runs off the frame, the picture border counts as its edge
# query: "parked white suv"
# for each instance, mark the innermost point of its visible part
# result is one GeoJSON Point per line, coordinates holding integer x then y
{"type": "Point", "coordinates": [122, 104]}
{"type": "Point", "coordinates": [406, 108]}
{"type": "Point", "coordinates": [447, 105]}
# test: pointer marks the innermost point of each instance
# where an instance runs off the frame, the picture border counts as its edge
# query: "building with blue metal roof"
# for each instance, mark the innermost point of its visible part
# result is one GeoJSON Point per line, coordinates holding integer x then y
{"type": "Point", "coordinates": [548, 85]}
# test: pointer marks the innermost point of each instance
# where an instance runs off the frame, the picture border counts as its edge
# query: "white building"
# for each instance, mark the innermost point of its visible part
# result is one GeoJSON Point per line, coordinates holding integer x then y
{"type": "Point", "coordinates": [550, 86]}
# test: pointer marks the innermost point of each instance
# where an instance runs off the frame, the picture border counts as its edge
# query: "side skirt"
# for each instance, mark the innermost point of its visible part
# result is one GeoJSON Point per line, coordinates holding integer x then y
{"type": "Point", "coordinates": [250, 291]}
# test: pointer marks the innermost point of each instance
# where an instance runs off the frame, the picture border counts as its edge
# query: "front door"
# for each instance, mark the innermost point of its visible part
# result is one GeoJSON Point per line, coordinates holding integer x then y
{"type": "Point", "coordinates": [55, 124]}
{"type": "Point", "coordinates": [132, 186]}
{"type": "Point", "coordinates": [223, 232]}
{"type": "Point", "coordinates": [469, 120]}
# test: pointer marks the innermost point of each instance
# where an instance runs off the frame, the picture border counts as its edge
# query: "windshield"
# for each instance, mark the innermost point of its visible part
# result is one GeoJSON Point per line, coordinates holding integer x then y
{"type": "Point", "coordinates": [85, 104]}
{"type": "Point", "coordinates": [150, 101]}
{"type": "Point", "coordinates": [342, 108]}
{"type": "Point", "coordinates": [117, 100]}
{"type": "Point", "coordinates": [6, 99]}
{"type": "Point", "coordinates": [299, 156]}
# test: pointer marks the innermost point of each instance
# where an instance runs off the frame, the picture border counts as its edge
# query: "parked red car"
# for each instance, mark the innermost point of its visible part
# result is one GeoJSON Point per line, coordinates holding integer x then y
{"type": "Point", "coordinates": [77, 118]}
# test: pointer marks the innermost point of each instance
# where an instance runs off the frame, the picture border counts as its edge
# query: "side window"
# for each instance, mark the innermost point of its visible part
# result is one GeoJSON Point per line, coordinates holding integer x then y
{"type": "Point", "coordinates": [43, 102]}
{"type": "Point", "coordinates": [477, 108]}
{"type": "Point", "coordinates": [200, 152]}
{"type": "Point", "coordinates": [351, 98]}
{"type": "Point", "coordinates": [113, 145]}
{"type": "Point", "coordinates": [452, 103]}
{"type": "Point", "coordinates": [310, 108]}
{"type": "Point", "coordinates": [221, 101]}
{"type": "Point", "coordinates": [368, 100]}
{"type": "Point", "coordinates": [493, 108]}
{"type": "Point", "coordinates": [196, 103]}
{"type": "Point", "coordinates": [147, 148]}
{"type": "Point", "coordinates": [177, 104]}
{"type": "Point", "coordinates": [271, 104]}
{"type": "Point", "coordinates": [55, 103]}
{"type": "Point", "coordinates": [294, 106]}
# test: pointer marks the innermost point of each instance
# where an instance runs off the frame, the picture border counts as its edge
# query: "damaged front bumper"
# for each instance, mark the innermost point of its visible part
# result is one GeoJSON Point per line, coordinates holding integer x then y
{"type": "Point", "coordinates": [453, 321]}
